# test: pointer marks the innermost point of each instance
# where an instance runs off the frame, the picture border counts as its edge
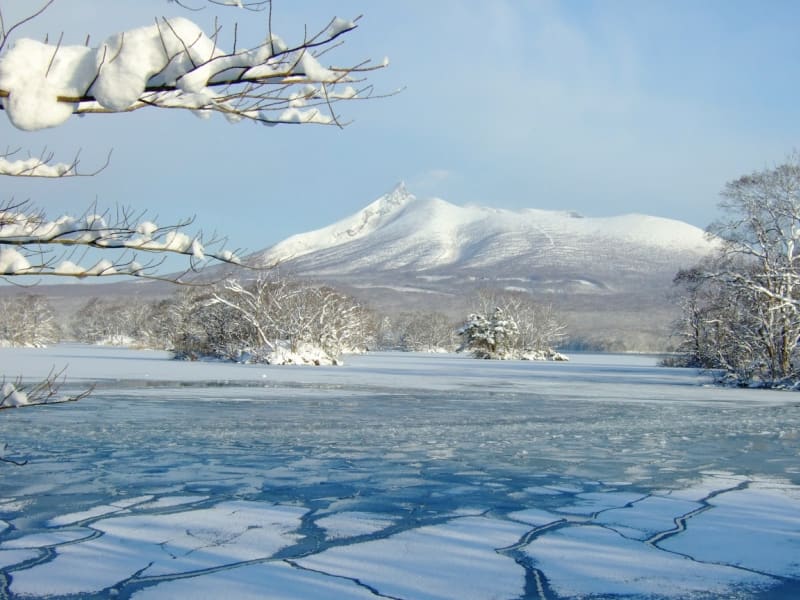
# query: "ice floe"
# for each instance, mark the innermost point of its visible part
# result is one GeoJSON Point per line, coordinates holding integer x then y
{"type": "Point", "coordinates": [353, 524]}
{"type": "Point", "coordinates": [589, 560]}
{"type": "Point", "coordinates": [274, 580]}
{"type": "Point", "coordinates": [153, 545]}
{"type": "Point", "coordinates": [457, 559]}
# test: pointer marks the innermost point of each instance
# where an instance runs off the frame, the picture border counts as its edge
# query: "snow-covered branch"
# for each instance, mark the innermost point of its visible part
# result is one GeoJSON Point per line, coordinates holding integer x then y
{"type": "Point", "coordinates": [16, 394]}
{"type": "Point", "coordinates": [257, 5]}
{"type": "Point", "coordinates": [29, 243]}
{"type": "Point", "coordinates": [174, 64]}
{"type": "Point", "coordinates": [43, 166]}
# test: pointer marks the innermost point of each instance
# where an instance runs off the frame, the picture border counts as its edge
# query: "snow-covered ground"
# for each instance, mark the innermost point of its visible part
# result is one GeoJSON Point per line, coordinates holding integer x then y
{"type": "Point", "coordinates": [398, 476]}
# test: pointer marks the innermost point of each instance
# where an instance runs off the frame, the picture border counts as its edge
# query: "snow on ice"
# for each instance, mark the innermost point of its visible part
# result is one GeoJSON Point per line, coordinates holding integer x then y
{"type": "Point", "coordinates": [158, 545]}
{"type": "Point", "coordinates": [402, 475]}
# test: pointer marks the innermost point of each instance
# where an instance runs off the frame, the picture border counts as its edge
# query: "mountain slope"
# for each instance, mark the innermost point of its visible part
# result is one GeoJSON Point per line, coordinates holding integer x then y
{"type": "Point", "coordinates": [414, 241]}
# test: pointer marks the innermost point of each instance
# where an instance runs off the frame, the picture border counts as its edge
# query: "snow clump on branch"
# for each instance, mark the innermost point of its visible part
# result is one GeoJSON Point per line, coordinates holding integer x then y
{"type": "Point", "coordinates": [12, 261]}
{"type": "Point", "coordinates": [35, 167]}
{"type": "Point", "coordinates": [12, 397]}
{"type": "Point", "coordinates": [172, 63]}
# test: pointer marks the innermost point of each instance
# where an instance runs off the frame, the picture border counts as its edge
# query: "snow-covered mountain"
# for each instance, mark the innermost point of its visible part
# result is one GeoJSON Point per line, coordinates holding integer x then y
{"type": "Point", "coordinates": [610, 278]}
{"type": "Point", "coordinates": [431, 245]}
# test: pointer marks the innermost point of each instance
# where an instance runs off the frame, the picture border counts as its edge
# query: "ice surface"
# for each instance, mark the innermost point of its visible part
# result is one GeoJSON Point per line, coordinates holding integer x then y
{"type": "Point", "coordinates": [457, 559]}
{"type": "Point", "coordinates": [170, 501]}
{"type": "Point", "coordinates": [351, 524]}
{"type": "Point", "coordinates": [536, 517]}
{"type": "Point", "coordinates": [95, 511]}
{"type": "Point", "coordinates": [42, 540]}
{"type": "Point", "coordinates": [647, 517]}
{"type": "Point", "coordinates": [765, 514]}
{"type": "Point", "coordinates": [276, 581]}
{"type": "Point", "coordinates": [413, 476]}
{"type": "Point", "coordinates": [596, 502]}
{"type": "Point", "coordinates": [157, 545]}
{"type": "Point", "coordinates": [585, 560]}
{"type": "Point", "coordinates": [13, 557]}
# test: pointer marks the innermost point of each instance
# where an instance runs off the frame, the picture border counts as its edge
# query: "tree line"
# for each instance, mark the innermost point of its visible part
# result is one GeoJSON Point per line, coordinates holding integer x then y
{"type": "Point", "coordinates": [276, 320]}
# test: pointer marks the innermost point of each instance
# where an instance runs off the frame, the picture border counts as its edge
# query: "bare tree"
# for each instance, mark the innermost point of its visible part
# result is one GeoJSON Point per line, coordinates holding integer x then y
{"type": "Point", "coordinates": [539, 328]}
{"type": "Point", "coordinates": [19, 393]}
{"type": "Point", "coordinates": [425, 332]}
{"type": "Point", "coordinates": [761, 228]}
{"type": "Point", "coordinates": [714, 331]}
{"type": "Point", "coordinates": [283, 314]}
{"type": "Point", "coordinates": [122, 321]}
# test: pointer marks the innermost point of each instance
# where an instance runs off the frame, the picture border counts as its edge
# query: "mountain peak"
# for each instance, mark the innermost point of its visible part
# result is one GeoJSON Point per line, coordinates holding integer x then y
{"type": "Point", "coordinates": [397, 198]}
{"type": "Point", "coordinates": [369, 219]}
{"type": "Point", "coordinates": [376, 214]}
{"type": "Point", "coordinates": [400, 190]}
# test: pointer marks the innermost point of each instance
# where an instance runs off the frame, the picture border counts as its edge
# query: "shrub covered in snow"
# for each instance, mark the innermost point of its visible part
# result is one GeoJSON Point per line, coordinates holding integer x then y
{"type": "Point", "coordinates": [492, 336]}
{"type": "Point", "coordinates": [515, 328]}
{"type": "Point", "coordinates": [273, 321]}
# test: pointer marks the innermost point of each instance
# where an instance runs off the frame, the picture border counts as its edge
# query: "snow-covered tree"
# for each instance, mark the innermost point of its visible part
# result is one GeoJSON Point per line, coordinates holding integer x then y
{"type": "Point", "coordinates": [509, 325]}
{"type": "Point", "coordinates": [715, 328]}
{"type": "Point", "coordinates": [424, 332]}
{"type": "Point", "coordinates": [17, 393]}
{"type": "Point", "coordinates": [122, 322]}
{"type": "Point", "coordinates": [749, 295]}
{"type": "Point", "coordinates": [489, 336]}
{"type": "Point", "coordinates": [538, 326]}
{"type": "Point", "coordinates": [273, 320]}
{"type": "Point", "coordinates": [27, 320]}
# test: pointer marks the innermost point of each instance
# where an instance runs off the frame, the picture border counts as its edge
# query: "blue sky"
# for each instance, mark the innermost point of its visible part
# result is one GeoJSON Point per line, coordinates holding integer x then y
{"type": "Point", "coordinates": [604, 107]}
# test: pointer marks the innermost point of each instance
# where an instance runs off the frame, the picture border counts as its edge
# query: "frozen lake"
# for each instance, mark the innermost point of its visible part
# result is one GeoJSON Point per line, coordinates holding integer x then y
{"type": "Point", "coordinates": [400, 476]}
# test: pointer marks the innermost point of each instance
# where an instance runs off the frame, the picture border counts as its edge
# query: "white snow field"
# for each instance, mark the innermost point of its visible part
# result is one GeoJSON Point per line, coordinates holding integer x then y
{"type": "Point", "coordinates": [402, 476]}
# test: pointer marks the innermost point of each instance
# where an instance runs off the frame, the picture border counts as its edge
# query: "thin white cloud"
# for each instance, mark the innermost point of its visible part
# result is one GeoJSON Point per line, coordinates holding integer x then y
{"type": "Point", "coordinates": [434, 182]}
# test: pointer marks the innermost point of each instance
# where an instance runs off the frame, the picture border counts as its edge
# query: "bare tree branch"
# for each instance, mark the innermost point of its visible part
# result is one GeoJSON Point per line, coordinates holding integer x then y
{"type": "Point", "coordinates": [5, 34]}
